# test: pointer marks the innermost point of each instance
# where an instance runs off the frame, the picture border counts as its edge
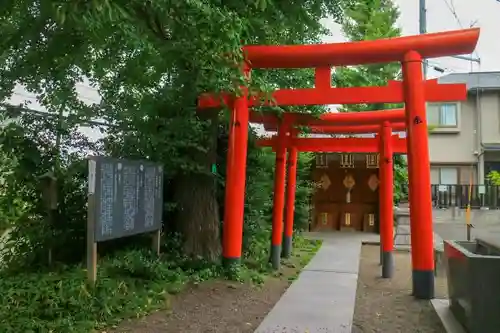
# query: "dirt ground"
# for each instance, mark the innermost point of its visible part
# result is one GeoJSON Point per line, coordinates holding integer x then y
{"type": "Point", "coordinates": [218, 306]}
{"type": "Point", "coordinates": [384, 305]}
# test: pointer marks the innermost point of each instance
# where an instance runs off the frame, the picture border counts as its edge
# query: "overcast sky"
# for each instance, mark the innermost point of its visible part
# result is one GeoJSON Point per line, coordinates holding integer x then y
{"type": "Point", "coordinates": [440, 17]}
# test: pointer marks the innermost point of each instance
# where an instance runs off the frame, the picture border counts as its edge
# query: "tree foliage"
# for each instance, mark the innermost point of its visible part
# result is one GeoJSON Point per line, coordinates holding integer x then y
{"type": "Point", "coordinates": [149, 61]}
{"type": "Point", "coordinates": [493, 177]}
{"type": "Point", "coordinates": [369, 20]}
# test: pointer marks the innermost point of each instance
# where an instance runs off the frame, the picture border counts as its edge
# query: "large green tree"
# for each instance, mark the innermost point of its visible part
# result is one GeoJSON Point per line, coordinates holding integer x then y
{"type": "Point", "coordinates": [150, 60]}
{"type": "Point", "coordinates": [369, 20]}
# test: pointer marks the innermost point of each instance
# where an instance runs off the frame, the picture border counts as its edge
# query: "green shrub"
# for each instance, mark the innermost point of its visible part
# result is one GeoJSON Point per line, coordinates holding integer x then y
{"type": "Point", "coordinates": [129, 284]}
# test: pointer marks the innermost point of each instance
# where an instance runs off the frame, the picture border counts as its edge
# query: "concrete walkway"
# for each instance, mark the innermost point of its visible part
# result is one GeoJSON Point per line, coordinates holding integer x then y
{"type": "Point", "coordinates": [323, 297]}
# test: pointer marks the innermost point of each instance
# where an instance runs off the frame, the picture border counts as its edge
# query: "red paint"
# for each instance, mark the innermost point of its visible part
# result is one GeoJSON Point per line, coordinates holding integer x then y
{"type": "Point", "coordinates": [359, 53]}
{"type": "Point", "coordinates": [392, 93]}
{"type": "Point", "coordinates": [367, 117]}
{"type": "Point", "coordinates": [290, 191]}
{"type": "Point", "coordinates": [386, 190]}
{"type": "Point", "coordinates": [279, 186]}
{"type": "Point", "coordinates": [344, 145]}
{"type": "Point", "coordinates": [355, 120]}
{"type": "Point", "coordinates": [323, 78]}
{"type": "Point", "coordinates": [232, 235]}
{"type": "Point", "coordinates": [344, 118]}
{"type": "Point", "coordinates": [334, 128]}
{"type": "Point", "coordinates": [396, 127]}
{"type": "Point", "coordinates": [419, 176]}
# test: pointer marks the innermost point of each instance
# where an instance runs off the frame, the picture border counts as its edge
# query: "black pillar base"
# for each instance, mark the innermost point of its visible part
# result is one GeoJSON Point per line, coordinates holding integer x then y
{"type": "Point", "coordinates": [275, 256]}
{"type": "Point", "coordinates": [423, 284]}
{"type": "Point", "coordinates": [387, 265]}
{"type": "Point", "coordinates": [286, 251]}
{"type": "Point", "coordinates": [381, 255]}
{"type": "Point", "coordinates": [231, 262]}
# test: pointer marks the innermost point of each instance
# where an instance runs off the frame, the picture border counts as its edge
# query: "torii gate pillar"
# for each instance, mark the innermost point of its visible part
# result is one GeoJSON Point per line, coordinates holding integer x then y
{"type": "Point", "coordinates": [386, 193]}
{"type": "Point", "coordinates": [422, 236]}
{"type": "Point", "coordinates": [290, 201]}
{"type": "Point", "coordinates": [279, 196]}
{"type": "Point", "coordinates": [232, 228]}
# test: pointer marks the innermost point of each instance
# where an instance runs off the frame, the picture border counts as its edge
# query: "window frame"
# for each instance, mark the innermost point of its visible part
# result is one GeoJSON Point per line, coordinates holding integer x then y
{"type": "Point", "coordinates": [440, 127]}
{"type": "Point", "coordinates": [440, 178]}
{"type": "Point", "coordinates": [440, 115]}
{"type": "Point", "coordinates": [457, 175]}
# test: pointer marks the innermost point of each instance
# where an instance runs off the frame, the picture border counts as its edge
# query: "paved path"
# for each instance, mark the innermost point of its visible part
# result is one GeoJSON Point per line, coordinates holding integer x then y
{"type": "Point", "coordinates": [323, 297]}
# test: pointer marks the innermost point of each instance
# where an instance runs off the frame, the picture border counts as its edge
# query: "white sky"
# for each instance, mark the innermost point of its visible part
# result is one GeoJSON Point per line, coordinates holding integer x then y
{"type": "Point", "coordinates": [440, 17]}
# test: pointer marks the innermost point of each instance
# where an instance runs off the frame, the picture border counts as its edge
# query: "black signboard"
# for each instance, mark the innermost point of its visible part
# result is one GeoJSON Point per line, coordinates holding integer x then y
{"type": "Point", "coordinates": [128, 197]}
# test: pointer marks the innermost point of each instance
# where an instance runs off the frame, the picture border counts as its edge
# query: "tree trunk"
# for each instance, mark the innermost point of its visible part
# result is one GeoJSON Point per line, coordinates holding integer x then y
{"type": "Point", "coordinates": [195, 193]}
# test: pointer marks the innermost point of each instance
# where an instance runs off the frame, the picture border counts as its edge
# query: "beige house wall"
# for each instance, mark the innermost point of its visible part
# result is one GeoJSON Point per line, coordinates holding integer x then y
{"type": "Point", "coordinates": [455, 145]}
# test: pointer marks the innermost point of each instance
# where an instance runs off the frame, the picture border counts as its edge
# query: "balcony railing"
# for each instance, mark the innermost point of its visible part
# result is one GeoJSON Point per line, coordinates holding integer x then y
{"type": "Point", "coordinates": [479, 196]}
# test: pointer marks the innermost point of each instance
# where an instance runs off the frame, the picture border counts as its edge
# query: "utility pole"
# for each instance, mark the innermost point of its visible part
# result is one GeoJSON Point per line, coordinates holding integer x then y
{"type": "Point", "coordinates": [423, 29]}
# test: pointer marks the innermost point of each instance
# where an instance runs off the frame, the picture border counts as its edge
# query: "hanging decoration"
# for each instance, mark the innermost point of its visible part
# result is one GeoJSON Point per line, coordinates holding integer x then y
{"type": "Point", "coordinates": [373, 182]}
{"type": "Point", "coordinates": [347, 161]}
{"type": "Point", "coordinates": [372, 161]}
{"type": "Point", "coordinates": [349, 183]}
{"type": "Point", "coordinates": [324, 182]}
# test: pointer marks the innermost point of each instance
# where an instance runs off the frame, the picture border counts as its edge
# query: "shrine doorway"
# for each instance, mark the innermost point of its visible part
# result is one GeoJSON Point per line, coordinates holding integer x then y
{"type": "Point", "coordinates": [346, 193]}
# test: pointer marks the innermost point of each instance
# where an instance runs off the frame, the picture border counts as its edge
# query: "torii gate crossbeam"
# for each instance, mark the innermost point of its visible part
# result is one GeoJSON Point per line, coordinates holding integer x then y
{"type": "Point", "coordinates": [341, 145]}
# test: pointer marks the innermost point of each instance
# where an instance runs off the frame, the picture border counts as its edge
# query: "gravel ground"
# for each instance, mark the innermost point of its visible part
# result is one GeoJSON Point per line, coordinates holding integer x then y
{"type": "Point", "coordinates": [218, 306]}
{"type": "Point", "coordinates": [385, 305]}
{"type": "Point", "coordinates": [213, 307]}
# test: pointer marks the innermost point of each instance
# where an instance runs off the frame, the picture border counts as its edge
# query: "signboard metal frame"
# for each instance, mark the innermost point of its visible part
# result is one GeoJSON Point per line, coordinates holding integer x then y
{"type": "Point", "coordinates": [115, 186]}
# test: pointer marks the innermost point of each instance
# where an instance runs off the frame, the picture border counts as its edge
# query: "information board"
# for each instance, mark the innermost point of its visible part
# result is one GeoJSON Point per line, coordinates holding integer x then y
{"type": "Point", "coordinates": [128, 196]}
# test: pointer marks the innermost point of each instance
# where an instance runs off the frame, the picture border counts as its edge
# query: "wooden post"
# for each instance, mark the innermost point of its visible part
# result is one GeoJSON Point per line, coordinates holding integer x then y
{"type": "Point", "coordinates": [91, 243]}
{"type": "Point", "coordinates": [91, 224]}
{"type": "Point", "coordinates": [156, 241]}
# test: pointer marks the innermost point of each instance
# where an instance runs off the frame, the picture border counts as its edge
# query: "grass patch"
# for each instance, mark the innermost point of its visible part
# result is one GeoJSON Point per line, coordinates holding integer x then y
{"type": "Point", "coordinates": [130, 284]}
{"type": "Point", "coordinates": [303, 251]}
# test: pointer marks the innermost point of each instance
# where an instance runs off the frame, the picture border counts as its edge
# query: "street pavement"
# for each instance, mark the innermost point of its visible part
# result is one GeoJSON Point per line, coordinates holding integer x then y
{"type": "Point", "coordinates": [486, 224]}
{"type": "Point", "coordinates": [449, 224]}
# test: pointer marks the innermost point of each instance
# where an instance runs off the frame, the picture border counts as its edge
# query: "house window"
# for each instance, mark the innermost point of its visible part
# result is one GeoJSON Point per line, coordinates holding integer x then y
{"type": "Point", "coordinates": [442, 115]}
{"type": "Point", "coordinates": [448, 176]}
{"type": "Point", "coordinates": [444, 175]}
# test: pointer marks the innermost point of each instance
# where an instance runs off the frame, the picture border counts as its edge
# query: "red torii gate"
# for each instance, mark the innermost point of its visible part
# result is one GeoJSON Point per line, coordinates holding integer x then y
{"type": "Point", "coordinates": [413, 92]}
{"type": "Point", "coordinates": [385, 143]}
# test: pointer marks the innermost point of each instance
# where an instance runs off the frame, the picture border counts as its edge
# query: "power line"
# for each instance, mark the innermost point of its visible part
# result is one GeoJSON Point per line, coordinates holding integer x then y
{"type": "Point", "coordinates": [451, 7]}
{"type": "Point", "coordinates": [453, 11]}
